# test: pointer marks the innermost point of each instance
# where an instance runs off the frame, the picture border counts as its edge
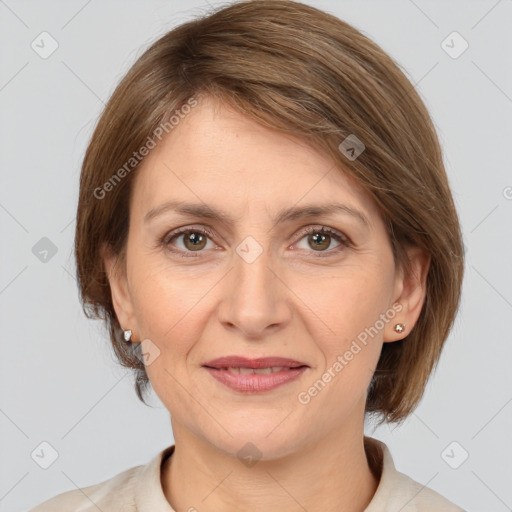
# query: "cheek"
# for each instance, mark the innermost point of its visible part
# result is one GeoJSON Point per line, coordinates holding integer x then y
{"type": "Point", "coordinates": [165, 303]}
{"type": "Point", "coordinates": [340, 306]}
{"type": "Point", "coordinates": [167, 314]}
{"type": "Point", "coordinates": [345, 321]}
{"type": "Point", "coordinates": [170, 310]}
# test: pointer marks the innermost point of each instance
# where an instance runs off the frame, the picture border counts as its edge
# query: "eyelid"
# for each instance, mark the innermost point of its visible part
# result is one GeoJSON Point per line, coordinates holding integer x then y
{"type": "Point", "coordinates": [174, 233]}
{"type": "Point", "coordinates": [321, 228]}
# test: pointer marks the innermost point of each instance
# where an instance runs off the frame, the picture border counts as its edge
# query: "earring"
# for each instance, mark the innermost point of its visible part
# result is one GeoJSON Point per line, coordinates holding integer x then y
{"type": "Point", "coordinates": [127, 335]}
{"type": "Point", "coordinates": [399, 327]}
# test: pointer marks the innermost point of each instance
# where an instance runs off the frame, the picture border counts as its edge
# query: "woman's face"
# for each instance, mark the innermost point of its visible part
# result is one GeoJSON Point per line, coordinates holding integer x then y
{"type": "Point", "coordinates": [258, 284]}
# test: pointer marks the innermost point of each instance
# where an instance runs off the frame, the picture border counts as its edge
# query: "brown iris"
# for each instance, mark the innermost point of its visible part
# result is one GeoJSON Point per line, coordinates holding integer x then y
{"type": "Point", "coordinates": [197, 241]}
{"type": "Point", "coordinates": [319, 238]}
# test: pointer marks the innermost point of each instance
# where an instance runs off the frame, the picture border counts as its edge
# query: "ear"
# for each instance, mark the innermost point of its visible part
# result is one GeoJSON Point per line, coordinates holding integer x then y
{"type": "Point", "coordinates": [410, 292]}
{"type": "Point", "coordinates": [115, 268]}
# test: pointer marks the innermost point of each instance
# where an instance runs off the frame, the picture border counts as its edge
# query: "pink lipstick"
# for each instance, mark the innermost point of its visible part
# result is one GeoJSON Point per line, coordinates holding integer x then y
{"type": "Point", "coordinates": [255, 375]}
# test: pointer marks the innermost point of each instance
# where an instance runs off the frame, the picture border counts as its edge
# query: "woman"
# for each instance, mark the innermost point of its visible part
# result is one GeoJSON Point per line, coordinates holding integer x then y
{"type": "Point", "coordinates": [266, 226]}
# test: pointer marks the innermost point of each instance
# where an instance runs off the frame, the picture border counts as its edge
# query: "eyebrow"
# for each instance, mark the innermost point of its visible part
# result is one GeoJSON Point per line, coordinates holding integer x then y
{"type": "Point", "coordinates": [287, 214]}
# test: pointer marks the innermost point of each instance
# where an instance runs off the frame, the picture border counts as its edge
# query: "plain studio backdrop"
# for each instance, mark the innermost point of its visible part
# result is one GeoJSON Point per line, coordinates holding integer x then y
{"type": "Point", "coordinates": [62, 393]}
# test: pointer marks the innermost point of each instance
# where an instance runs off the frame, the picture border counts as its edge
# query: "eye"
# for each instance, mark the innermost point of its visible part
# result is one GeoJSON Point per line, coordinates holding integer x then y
{"type": "Point", "coordinates": [193, 240]}
{"type": "Point", "coordinates": [320, 237]}
{"type": "Point", "coordinates": [196, 239]}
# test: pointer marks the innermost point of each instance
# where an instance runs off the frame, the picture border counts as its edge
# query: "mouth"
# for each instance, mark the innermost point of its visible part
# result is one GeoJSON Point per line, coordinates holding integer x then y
{"type": "Point", "coordinates": [255, 375]}
{"type": "Point", "coordinates": [238, 370]}
{"type": "Point", "coordinates": [268, 364]}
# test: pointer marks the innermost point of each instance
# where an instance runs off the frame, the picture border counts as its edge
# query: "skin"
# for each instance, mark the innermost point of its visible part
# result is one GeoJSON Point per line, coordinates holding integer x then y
{"type": "Point", "coordinates": [289, 302]}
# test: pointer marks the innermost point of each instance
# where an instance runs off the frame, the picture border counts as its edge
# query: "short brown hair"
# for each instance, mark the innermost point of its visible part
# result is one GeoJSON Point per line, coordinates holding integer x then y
{"type": "Point", "coordinates": [307, 73]}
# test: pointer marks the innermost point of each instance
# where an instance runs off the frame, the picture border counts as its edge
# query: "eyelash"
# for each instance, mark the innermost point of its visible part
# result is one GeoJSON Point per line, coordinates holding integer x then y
{"type": "Point", "coordinates": [342, 239]}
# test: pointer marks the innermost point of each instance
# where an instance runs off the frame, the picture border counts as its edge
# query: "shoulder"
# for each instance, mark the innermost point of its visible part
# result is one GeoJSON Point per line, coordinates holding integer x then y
{"type": "Point", "coordinates": [398, 491]}
{"type": "Point", "coordinates": [423, 498]}
{"type": "Point", "coordinates": [118, 492]}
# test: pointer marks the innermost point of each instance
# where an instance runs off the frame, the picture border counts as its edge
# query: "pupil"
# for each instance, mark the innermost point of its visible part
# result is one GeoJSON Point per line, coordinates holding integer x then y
{"type": "Point", "coordinates": [195, 238]}
{"type": "Point", "coordinates": [319, 238]}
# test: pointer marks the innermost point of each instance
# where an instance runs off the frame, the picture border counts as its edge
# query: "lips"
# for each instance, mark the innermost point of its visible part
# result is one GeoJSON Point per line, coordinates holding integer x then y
{"type": "Point", "coordinates": [236, 362]}
{"type": "Point", "coordinates": [255, 375]}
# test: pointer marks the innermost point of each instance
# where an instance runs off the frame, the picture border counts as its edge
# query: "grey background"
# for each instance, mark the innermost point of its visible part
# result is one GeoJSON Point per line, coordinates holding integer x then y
{"type": "Point", "coordinates": [59, 381]}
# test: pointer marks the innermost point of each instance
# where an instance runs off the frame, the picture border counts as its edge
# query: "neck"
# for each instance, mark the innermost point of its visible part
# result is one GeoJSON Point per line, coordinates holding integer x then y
{"type": "Point", "coordinates": [331, 474]}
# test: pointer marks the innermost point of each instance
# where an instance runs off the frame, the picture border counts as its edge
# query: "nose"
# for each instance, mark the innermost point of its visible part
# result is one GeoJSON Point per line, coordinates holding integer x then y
{"type": "Point", "coordinates": [255, 300]}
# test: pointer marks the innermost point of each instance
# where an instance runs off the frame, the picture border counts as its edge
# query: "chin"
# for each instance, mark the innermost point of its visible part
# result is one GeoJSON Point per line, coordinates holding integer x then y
{"type": "Point", "coordinates": [258, 441]}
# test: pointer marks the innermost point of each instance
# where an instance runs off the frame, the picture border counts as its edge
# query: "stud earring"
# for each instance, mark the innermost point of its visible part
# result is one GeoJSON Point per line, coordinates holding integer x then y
{"type": "Point", "coordinates": [127, 335]}
{"type": "Point", "coordinates": [399, 327]}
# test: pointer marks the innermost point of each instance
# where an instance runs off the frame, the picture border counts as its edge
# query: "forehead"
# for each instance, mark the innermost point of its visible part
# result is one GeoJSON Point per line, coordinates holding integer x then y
{"type": "Point", "coordinates": [221, 157]}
